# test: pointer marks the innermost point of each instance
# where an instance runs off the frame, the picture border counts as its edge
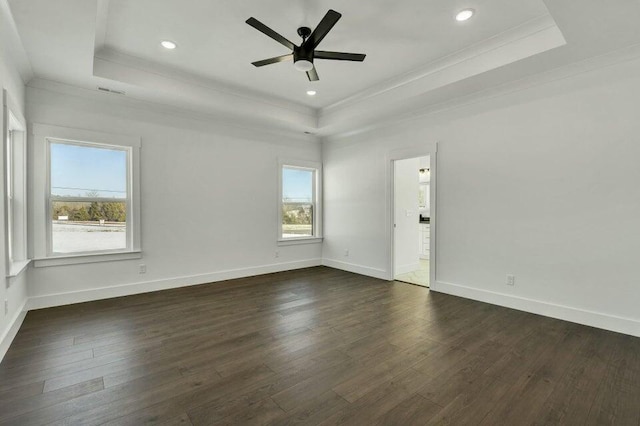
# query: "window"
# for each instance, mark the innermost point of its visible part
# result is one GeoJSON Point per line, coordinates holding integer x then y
{"type": "Point", "coordinates": [15, 189]}
{"type": "Point", "coordinates": [91, 203]}
{"type": "Point", "coordinates": [88, 197]}
{"type": "Point", "coordinates": [300, 209]}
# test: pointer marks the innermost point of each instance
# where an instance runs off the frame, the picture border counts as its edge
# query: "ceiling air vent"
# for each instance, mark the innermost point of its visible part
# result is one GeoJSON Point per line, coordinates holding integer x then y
{"type": "Point", "coordinates": [106, 89]}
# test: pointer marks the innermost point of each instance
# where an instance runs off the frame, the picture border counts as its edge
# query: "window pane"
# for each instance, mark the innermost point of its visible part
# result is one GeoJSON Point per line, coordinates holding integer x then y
{"type": "Point", "coordinates": [297, 203]}
{"type": "Point", "coordinates": [83, 171]}
{"type": "Point", "coordinates": [88, 226]}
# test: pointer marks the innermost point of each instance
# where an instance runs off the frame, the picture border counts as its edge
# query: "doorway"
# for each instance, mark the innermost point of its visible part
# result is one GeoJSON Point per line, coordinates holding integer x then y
{"type": "Point", "coordinates": [412, 220]}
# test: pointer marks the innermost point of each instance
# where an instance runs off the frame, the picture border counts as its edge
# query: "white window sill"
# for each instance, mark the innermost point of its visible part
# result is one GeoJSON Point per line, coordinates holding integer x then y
{"type": "Point", "coordinates": [86, 258]}
{"type": "Point", "coordinates": [17, 266]}
{"type": "Point", "coordinates": [295, 241]}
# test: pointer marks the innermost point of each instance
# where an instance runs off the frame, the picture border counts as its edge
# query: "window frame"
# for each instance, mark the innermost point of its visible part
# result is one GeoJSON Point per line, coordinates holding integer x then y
{"type": "Point", "coordinates": [14, 147]}
{"type": "Point", "coordinates": [44, 136]}
{"type": "Point", "coordinates": [316, 202]}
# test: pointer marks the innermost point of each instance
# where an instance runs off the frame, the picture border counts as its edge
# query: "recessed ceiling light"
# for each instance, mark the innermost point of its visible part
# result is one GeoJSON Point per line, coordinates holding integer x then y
{"type": "Point", "coordinates": [168, 44]}
{"type": "Point", "coordinates": [311, 92]}
{"type": "Point", "coordinates": [465, 15]}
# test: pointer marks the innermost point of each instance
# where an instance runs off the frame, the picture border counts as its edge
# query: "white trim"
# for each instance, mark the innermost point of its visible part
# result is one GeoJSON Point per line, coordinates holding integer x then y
{"type": "Point", "coordinates": [507, 45]}
{"type": "Point", "coordinates": [489, 91]}
{"type": "Point", "coordinates": [41, 90]}
{"type": "Point", "coordinates": [111, 63]}
{"type": "Point", "coordinates": [43, 134]}
{"type": "Point", "coordinates": [428, 149]}
{"type": "Point", "coordinates": [12, 329]}
{"type": "Point", "coordinates": [317, 196]}
{"type": "Point", "coordinates": [17, 266]}
{"type": "Point", "coordinates": [296, 241]}
{"type": "Point", "coordinates": [14, 43]}
{"type": "Point", "coordinates": [357, 269]}
{"type": "Point", "coordinates": [14, 145]}
{"type": "Point", "coordinates": [86, 258]}
{"type": "Point", "coordinates": [59, 299]}
{"type": "Point", "coordinates": [581, 316]}
{"type": "Point", "coordinates": [83, 135]}
{"type": "Point", "coordinates": [175, 87]}
{"type": "Point", "coordinates": [102, 17]}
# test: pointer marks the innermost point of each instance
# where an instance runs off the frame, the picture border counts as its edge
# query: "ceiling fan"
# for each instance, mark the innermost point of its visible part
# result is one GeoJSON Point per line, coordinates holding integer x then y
{"type": "Point", "coordinates": [304, 54]}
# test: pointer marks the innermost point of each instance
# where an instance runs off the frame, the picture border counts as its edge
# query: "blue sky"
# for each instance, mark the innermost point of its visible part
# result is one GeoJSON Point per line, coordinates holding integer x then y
{"type": "Point", "coordinates": [297, 184]}
{"type": "Point", "coordinates": [76, 170]}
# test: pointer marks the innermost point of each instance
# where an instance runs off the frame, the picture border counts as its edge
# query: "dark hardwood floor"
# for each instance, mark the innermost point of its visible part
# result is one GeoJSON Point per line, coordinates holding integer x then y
{"type": "Point", "coordinates": [314, 346]}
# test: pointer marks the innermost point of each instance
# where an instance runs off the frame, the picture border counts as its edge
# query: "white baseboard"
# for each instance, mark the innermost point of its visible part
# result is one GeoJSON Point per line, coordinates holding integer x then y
{"type": "Point", "coordinates": [12, 330]}
{"type": "Point", "coordinates": [59, 299]}
{"type": "Point", "coordinates": [405, 269]}
{"type": "Point", "coordinates": [580, 316]}
{"type": "Point", "coordinates": [358, 269]}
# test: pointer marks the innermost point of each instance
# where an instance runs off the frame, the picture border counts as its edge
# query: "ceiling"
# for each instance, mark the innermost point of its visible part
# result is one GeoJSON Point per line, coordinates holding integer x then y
{"type": "Point", "coordinates": [416, 51]}
{"type": "Point", "coordinates": [215, 42]}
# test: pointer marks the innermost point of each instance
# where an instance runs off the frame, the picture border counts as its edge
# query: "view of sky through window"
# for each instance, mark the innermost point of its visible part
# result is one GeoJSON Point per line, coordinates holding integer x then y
{"type": "Point", "coordinates": [81, 171]}
{"type": "Point", "coordinates": [297, 185]}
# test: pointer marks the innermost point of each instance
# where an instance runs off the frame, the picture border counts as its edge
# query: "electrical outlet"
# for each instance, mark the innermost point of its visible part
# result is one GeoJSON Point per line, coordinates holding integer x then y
{"type": "Point", "coordinates": [6, 307]}
{"type": "Point", "coordinates": [142, 268]}
{"type": "Point", "coordinates": [346, 253]}
{"type": "Point", "coordinates": [511, 280]}
{"type": "Point", "coordinates": [277, 253]}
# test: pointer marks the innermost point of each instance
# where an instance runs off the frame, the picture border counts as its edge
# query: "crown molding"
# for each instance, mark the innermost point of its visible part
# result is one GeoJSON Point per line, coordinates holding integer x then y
{"type": "Point", "coordinates": [102, 15]}
{"type": "Point", "coordinates": [11, 37]}
{"type": "Point", "coordinates": [39, 91]}
{"type": "Point", "coordinates": [423, 110]}
{"type": "Point", "coordinates": [541, 34]}
{"type": "Point", "coordinates": [204, 92]}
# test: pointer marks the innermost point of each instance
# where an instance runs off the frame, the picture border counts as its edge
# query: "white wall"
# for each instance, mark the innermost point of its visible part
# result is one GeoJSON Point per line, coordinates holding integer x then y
{"type": "Point", "coordinates": [15, 290]}
{"type": "Point", "coordinates": [209, 199]}
{"type": "Point", "coordinates": [425, 163]}
{"type": "Point", "coordinates": [543, 183]}
{"type": "Point", "coordinates": [406, 231]}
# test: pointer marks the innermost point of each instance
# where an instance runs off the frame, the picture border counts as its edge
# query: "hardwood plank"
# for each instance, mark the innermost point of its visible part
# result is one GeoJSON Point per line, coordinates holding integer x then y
{"type": "Point", "coordinates": [473, 403]}
{"type": "Point", "coordinates": [415, 410]}
{"type": "Point", "coordinates": [15, 408]}
{"type": "Point", "coordinates": [313, 411]}
{"type": "Point", "coordinates": [380, 400]}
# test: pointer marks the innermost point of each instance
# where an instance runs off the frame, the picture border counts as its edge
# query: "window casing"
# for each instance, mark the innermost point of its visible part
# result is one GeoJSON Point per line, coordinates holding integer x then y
{"type": "Point", "coordinates": [299, 202]}
{"type": "Point", "coordinates": [89, 207]}
{"type": "Point", "coordinates": [15, 155]}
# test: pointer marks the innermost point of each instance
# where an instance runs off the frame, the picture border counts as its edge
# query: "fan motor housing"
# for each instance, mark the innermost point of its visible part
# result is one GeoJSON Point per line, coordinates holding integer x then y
{"type": "Point", "coordinates": [300, 53]}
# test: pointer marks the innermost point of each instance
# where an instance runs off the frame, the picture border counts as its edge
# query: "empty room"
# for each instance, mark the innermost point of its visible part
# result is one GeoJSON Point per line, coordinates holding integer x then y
{"type": "Point", "coordinates": [314, 212]}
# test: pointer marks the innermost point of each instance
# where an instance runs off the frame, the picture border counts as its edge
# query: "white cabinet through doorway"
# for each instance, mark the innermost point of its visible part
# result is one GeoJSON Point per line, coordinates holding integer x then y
{"type": "Point", "coordinates": [425, 237]}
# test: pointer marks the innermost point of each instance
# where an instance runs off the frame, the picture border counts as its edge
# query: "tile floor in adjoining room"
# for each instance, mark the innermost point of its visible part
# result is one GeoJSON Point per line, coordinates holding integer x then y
{"type": "Point", "coordinates": [419, 276]}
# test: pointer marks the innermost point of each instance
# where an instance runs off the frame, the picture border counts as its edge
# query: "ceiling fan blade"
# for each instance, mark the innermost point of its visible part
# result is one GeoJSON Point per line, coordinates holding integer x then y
{"type": "Point", "coordinates": [273, 60]}
{"type": "Point", "coordinates": [339, 56]}
{"type": "Point", "coordinates": [313, 74]}
{"type": "Point", "coordinates": [269, 32]}
{"type": "Point", "coordinates": [322, 29]}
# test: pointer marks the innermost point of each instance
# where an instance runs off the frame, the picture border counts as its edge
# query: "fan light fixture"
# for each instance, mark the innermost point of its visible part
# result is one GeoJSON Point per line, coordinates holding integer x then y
{"type": "Point", "coordinates": [465, 15]}
{"type": "Point", "coordinates": [303, 65]}
{"type": "Point", "coordinates": [168, 44]}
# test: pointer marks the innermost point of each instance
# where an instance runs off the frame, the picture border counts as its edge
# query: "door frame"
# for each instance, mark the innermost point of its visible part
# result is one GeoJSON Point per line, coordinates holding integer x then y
{"type": "Point", "coordinates": [430, 149]}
